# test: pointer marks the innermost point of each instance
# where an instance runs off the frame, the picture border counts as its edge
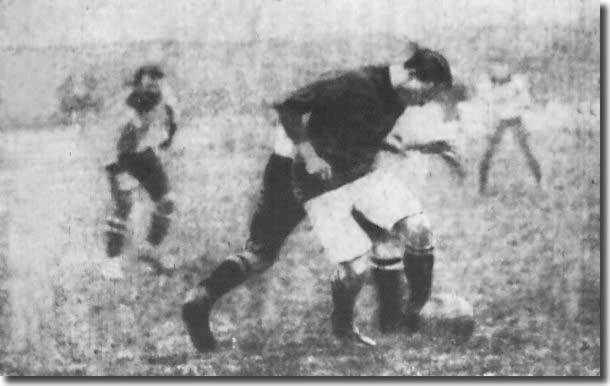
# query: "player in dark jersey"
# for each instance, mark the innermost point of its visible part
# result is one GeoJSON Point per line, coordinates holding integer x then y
{"type": "Point", "coordinates": [324, 166]}
{"type": "Point", "coordinates": [149, 126]}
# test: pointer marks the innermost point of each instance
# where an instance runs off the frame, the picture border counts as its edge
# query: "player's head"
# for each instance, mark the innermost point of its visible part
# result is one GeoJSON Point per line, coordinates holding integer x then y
{"type": "Point", "coordinates": [498, 67]}
{"type": "Point", "coordinates": [425, 73]}
{"type": "Point", "coordinates": [148, 77]}
{"type": "Point", "coordinates": [146, 85]}
{"type": "Point", "coordinates": [499, 72]}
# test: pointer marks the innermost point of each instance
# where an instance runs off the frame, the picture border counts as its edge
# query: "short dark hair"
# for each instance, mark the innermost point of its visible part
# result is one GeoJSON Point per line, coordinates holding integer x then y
{"type": "Point", "coordinates": [430, 66]}
{"type": "Point", "coordinates": [152, 70]}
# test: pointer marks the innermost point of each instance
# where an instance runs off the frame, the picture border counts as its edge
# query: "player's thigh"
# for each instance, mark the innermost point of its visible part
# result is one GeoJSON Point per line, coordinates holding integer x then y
{"type": "Point", "coordinates": [147, 168]}
{"type": "Point", "coordinates": [384, 199]}
{"type": "Point", "coordinates": [331, 217]}
{"type": "Point", "coordinates": [277, 211]}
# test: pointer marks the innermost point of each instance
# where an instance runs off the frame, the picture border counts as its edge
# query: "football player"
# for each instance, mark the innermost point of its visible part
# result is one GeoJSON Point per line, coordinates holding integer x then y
{"type": "Point", "coordinates": [149, 127]}
{"type": "Point", "coordinates": [506, 95]}
{"type": "Point", "coordinates": [324, 167]}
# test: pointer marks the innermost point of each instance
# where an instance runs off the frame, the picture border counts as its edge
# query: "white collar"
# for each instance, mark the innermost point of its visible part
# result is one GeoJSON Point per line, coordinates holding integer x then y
{"type": "Point", "coordinates": [398, 75]}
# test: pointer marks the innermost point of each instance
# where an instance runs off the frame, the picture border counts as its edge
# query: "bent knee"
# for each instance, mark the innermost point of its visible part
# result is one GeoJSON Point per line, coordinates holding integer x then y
{"type": "Point", "coordinates": [416, 233]}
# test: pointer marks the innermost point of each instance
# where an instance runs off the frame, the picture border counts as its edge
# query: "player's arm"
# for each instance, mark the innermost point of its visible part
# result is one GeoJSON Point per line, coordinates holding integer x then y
{"type": "Point", "coordinates": [126, 144]}
{"type": "Point", "coordinates": [396, 144]}
{"type": "Point", "coordinates": [171, 111]}
{"type": "Point", "coordinates": [291, 112]}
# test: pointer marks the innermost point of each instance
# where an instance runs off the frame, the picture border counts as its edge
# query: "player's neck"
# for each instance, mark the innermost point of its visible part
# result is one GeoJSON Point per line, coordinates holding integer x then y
{"type": "Point", "coordinates": [398, 74]}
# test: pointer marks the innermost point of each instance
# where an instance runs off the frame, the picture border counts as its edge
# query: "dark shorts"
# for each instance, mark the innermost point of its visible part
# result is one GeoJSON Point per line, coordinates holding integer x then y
{"type": "Point", "coordinates": [146, 168]}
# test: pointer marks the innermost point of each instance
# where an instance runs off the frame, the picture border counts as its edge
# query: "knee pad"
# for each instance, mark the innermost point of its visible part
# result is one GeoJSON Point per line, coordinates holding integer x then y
{"type": "Point", "coordinates": [417, 234]}
{"type": "Point", "coordinates": [116, 234]}
{"type": "Point", "coordinates": [160, 220]}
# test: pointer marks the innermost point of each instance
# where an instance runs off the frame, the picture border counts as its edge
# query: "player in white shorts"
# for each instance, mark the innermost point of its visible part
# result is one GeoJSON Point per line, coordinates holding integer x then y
{"type": "Point", "coordinates": [324, 167]}
{"type": "Point", "coordinates": [506, 96]}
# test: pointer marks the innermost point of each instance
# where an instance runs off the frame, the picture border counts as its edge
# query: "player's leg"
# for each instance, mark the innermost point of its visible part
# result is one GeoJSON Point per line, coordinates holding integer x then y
{"type": "Point", "coordinates": [275, 217]}
{"type": "Point", "coordinates": [494, 141]}
{"type": "Point", "coordinates": [121, 187]}
{"type": "Point", "coordinates": [146, 167]}
{"type": "Point", "coordinates": [387, 273]}
{"type": "Point", "coordinates": [418, 263]}
{"type": "Point", "coordinates": [408, 248]}
{"type": "Point", "coordinates": [346, 283]}
{"type": "Point", "coordinates": [522, 138]}
{"type": "Point", "coordinates": [393, 219]}
{"type": "Point", "coordinates": [116, 223]}
{"type": "Point", "coordinates": [152, 176]}
{"type": "Point", "coordinates": [388, 284]}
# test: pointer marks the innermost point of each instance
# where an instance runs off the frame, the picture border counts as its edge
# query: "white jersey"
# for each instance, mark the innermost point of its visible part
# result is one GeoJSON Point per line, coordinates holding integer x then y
{"type": "Point", "coordinates": [151, 128]}
{"type": "Point", "coordinates": [506, 100]}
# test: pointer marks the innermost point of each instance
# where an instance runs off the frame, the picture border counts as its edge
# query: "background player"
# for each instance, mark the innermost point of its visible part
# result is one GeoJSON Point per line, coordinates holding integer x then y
{"type": "Point", "coordinates": [506, 95]}
{"type": "Point", "coordinates": [150, 126]}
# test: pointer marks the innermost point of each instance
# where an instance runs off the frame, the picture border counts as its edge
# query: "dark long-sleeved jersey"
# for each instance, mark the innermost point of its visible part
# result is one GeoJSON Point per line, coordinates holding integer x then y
{"type": "Point", "coordinates": [350, 115]}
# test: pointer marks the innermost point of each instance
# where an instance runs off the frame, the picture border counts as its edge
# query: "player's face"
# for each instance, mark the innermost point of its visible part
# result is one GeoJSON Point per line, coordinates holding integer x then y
{"type": "Point", "coordinates": [416, 92]}
{"type": "Point", "coordinates": [150, 83]}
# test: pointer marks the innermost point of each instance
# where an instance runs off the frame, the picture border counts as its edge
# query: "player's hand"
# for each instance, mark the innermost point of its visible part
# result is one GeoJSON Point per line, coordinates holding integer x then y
{"type": "Point", "coordinates": [317, 166]}
{"type": "Point", "coordinates": [314, 164]}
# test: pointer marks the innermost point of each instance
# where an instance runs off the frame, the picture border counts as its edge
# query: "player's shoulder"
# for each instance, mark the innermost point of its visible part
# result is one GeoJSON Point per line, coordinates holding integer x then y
{"type": "Point", "coordinates": [353, 77]}
{"type": "Point", "coordinates": [329, 84]}
{"type": "Point", "coordinates": [359, 81]}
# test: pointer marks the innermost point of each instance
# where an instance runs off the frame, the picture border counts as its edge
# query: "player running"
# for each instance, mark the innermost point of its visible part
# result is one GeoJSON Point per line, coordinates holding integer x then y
{"type": "Point", "coordinates": [150, 126]}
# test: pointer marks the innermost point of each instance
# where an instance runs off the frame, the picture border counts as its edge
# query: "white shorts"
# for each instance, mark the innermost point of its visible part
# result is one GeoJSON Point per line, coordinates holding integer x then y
{"type": "Point", "coordinates": [126, 181]}
{"type": "Point", "coordinates": [380, 196]}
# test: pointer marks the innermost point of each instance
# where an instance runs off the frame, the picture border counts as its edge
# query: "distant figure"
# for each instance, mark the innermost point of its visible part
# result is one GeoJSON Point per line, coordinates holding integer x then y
{"type": "Point", "coordinates": [149, 127]}
{"type": "Point", "coordinates": [449, 100]}
{"type": "Point", "coordinates": [506, 94]}
{"type": "Point", "coordinates": [78, 96]}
